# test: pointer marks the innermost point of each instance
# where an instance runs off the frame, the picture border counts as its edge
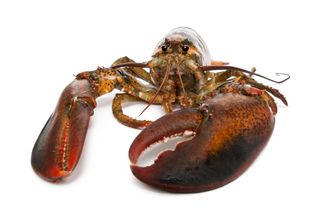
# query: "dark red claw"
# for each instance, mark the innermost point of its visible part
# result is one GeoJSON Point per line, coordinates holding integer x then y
{"type": "Point", "coordinates": [172, 123]}
{"type": "Point", "coordinates": [59, 145]}
{"type": "Point", "coordinates": [234, 130]}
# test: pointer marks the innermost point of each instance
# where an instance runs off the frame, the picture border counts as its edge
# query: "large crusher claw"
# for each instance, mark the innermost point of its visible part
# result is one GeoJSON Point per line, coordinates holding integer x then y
{"type": "Point", "coordinates": [231, 130]}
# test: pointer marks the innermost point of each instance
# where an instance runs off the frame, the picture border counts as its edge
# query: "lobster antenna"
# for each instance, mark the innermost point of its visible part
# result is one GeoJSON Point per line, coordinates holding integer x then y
{"type": "Point", "coordinates": [212, 68]}
{"type": "Point", "coordinates": [131, 64]}
{"type": "Point", "coordinates": [180, 79]}
{"type": "Point", "coordinates": [165, 78]}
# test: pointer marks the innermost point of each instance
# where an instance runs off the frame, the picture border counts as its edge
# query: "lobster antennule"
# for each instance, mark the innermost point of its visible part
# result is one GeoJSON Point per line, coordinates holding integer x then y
{"type": "Point", "coordinates": [59, 145]}
{"type": "Point", "coordinates": [233, 131]}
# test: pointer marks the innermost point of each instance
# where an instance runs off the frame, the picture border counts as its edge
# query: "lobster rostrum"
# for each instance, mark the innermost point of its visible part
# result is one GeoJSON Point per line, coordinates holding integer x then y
{"type": "Point", "coordinates": [229, 113]}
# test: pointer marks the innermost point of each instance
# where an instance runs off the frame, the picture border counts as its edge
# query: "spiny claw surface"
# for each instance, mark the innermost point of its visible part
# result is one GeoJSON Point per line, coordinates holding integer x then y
{"type": "Point", "coordinates": [59, 145]}
{"type": "Point", "coordinates": [231, 130]}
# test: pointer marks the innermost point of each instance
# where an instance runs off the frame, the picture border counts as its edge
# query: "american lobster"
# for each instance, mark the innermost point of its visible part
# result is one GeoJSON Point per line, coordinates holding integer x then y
{"type": "Point", "coordinates": [230, 114]}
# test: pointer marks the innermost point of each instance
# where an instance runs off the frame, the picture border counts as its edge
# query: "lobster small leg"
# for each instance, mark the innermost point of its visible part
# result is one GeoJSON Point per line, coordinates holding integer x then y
{"type": "Point", "coordinates": [135, 71]}
{"type": "Point", "coordinates": [221, 77]}
{"type": "Point", "coordinates": [124, 119]}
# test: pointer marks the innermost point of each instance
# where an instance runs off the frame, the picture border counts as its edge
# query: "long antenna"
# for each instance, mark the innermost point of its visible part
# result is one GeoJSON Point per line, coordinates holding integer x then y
{"type": "Point", "coordinates": [130, 64]}
{"type": "Point", "coordinates": [165, 78]}
{"type": "Point", "coordinates": [212, 68]}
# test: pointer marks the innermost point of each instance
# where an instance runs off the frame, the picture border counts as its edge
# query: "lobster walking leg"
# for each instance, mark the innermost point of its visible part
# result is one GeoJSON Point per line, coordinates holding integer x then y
{"type": "Point", "coordinates": [135, 71]}
{"type": "Point", "coordinates": [122, 118]}
{"type": "Point", "coordinates": [223, 76]}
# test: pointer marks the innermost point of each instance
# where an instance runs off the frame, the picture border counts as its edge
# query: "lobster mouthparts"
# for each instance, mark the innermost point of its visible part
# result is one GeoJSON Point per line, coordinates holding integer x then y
{"type": "Point", "coordinates": [231, 130]}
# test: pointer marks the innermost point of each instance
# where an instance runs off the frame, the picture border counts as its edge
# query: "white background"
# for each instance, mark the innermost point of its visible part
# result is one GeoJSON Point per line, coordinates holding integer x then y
{"type": "Point", "coordinates": [43, 43]}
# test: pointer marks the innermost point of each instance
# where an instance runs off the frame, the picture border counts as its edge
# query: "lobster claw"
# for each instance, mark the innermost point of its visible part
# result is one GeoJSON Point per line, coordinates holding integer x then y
{"type": "Point", "coordinates": [59, 145]}
{"type": "Point", "coordinates": [231, 130]}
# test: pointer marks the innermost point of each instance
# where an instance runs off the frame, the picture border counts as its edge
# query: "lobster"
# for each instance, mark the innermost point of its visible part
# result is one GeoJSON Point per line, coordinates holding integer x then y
{"type": "Point", "coordinates": [229, 113]}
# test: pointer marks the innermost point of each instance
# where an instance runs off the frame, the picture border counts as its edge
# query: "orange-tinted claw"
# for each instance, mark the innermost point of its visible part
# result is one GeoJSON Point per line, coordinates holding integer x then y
{"type": "Point", "coordinates": [234, 130]}
{"type": "Point", "coordinates": [59, 145]}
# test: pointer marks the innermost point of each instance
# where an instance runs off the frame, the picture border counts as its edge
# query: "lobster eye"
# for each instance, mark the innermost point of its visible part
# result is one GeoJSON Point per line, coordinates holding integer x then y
{"type": "Point", "coordinates": [185, 48]}
{"type": "Point", "coordinates": [164, 48]}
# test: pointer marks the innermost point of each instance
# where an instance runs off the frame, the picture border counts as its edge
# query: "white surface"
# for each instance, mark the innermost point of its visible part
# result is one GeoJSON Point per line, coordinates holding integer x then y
{"type": "Point", "coordinates": [43, 43]}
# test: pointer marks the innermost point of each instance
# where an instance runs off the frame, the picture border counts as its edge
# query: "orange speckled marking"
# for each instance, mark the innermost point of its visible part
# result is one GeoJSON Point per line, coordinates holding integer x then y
{"type": "Point", "coordinates": [107, 81]}
{"type": "Point", "coordinates": [237, 119]}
